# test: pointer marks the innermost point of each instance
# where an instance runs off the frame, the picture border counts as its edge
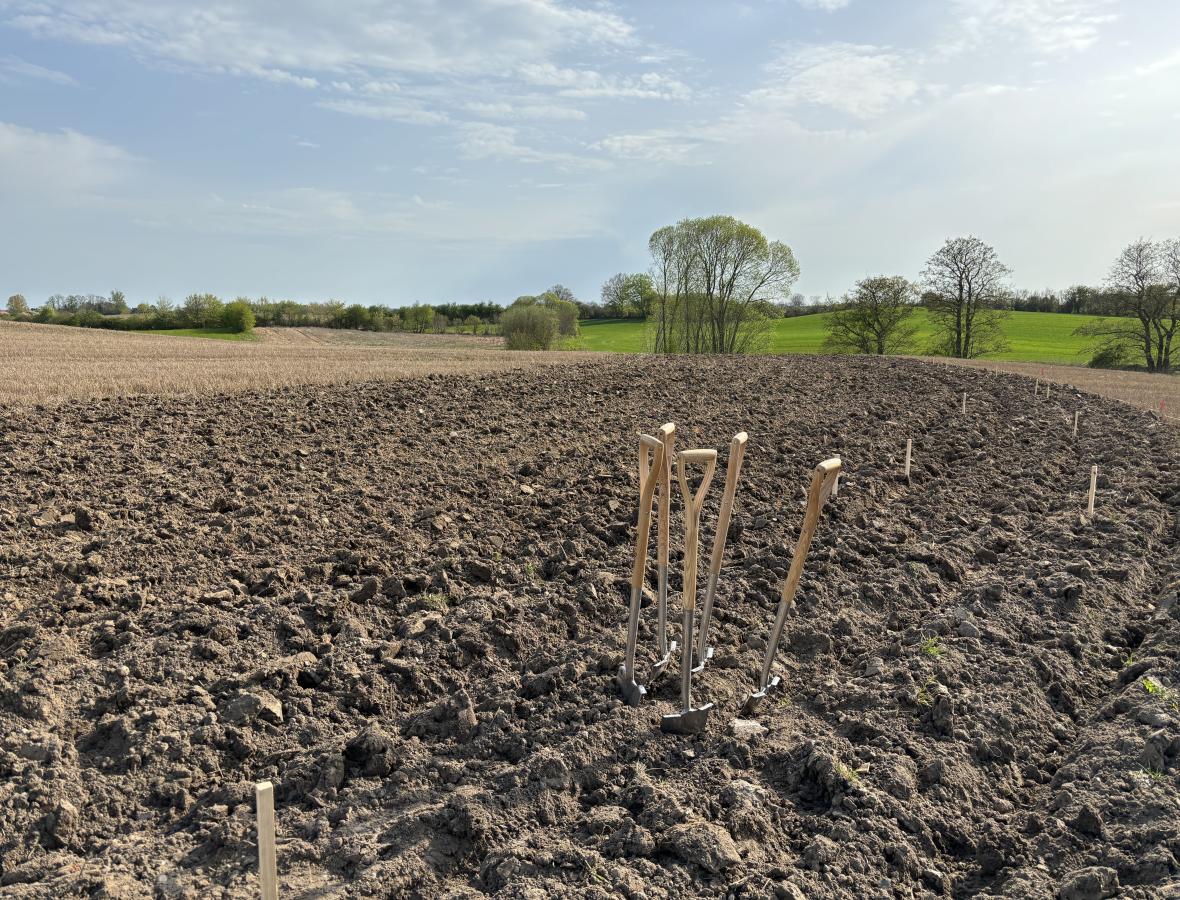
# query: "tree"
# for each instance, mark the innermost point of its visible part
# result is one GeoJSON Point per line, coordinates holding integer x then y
{"type": "Point", "coordinates": [418, 318]}
{"type": "Point", "coordinates": [202, 311]}
{"type": "Point", "coordinates": [966, 292]}
{"type": "Point", "coordinates": [561, 292]}
{"type": "Point", "coordinates": [715, 281]}
{"type": "Point", "coordinates": [238, 316]}
{"type": "Point", "coordinates": [528, 326]}
{"type": "Point", "coordinates": [628, 296]}
{"type": "Point", "coordinates": [18, 306]}
{"type": "Point", "coordinates": [565, 310]}
{"type": "Point", "coordinates": [119, 305]}
{"type": "Point", "coordinates": [1141, 308]}
{"type": "Point", "coordinates": [876, 318]}
{"type": "Point", "coordinates": [473, 322]}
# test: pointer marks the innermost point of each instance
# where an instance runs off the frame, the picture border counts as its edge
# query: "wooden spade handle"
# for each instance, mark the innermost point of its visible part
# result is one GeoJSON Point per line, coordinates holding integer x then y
{"type": "Point", "coordinates": [737, 452]}
{"type": "Point", "coordinates": [668, 436]}
{"type": "Point", "coordinates": [692, 517]}
{"type": "Point", "coordinates": [647, 444]}
{"type": "Point", "coordinates": [822, 480]}
{"type": "Point", "coordinates": [651, 459]}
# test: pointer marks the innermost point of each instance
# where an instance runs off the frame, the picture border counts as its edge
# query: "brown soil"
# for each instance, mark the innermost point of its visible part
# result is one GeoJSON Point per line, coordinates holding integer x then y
{"type": "Point", "coordinates": [404, 603]}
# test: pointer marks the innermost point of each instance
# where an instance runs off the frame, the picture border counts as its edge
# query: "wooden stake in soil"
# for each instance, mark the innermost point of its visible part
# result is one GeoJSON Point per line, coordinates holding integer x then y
{"type": "Point", "coordinates": [1093, 488]}
{"type": "Point", "coordinates": [268, 874]}
{"type": "Point", "coordinates": [1075, 423]}
{"type": "Point", "coordinates": [964, 403]}
{"type": "Point", "coordinates": [909, 450]}
{"type": "Point", "coordinates": [1037, 388]}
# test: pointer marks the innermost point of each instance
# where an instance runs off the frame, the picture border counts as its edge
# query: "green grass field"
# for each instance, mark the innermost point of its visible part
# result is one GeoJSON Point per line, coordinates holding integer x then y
{"type": "Point", "coordinates": [1032, 337]}
{"type": "Point", "coordinates": [220, 334]}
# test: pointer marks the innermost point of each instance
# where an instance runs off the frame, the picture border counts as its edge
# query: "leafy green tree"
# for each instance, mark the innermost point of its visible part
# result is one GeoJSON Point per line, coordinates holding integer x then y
{"type": "Point", "coordinates": [119, 305]}
{"type": "Point", "coordinates": [473, 322]}
{"type": "Point", "coordinates": [238, 316]}
{"type": "Point", "coordinates": [356, 316]}
{"type": "Point", "coordinates": [628, 296]}
{"type": "Point", "coordinates": [18, 306]}
{"type": "Point", "coordinates": [716, 280]}
{"type": "Point", "coordinates": [201, 311]}
{"type": "Point", "coordinates": [875, 318]}
{"type": "Point", "coordinates": [418, 318]}
{"type": "Point", "coordinates": [529, 326]}
{"type": "Point", "coordinates": [966, 292]}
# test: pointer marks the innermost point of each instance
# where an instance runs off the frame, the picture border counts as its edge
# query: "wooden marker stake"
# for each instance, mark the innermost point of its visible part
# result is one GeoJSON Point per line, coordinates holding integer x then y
{"type": "Point", "coordinates": [268, 876]}
{"type": "Point", "coordinates": [1093, 488]}
{"type": "Point", "coordinates": [1046, 390]}
{"type": "Point", "coordinates": [964, 403]}
{"type": "Point", "coordinates": [1075, 423]}
{"type": "Point", "coordinates": [1037, 388]}
{"type": "Point", "coordinates": [909, 449]}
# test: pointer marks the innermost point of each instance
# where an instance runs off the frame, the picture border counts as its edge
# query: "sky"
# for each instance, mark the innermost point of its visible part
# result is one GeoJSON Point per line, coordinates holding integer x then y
{"type": "Point", "coordinates": [389, 151]}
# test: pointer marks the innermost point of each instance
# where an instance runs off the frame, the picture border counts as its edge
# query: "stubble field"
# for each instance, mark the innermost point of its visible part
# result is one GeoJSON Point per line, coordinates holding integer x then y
{"type": "Point", "coordinates": [403, 602]}
{"type": "Point", "coordinates": [49, 363]}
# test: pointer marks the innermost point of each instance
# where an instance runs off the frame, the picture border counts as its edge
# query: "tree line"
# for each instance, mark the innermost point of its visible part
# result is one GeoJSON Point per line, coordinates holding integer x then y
{"type": "Point", "coordinates": [964, 286]}
{"type": "Point", "coordinates": [243, 314]}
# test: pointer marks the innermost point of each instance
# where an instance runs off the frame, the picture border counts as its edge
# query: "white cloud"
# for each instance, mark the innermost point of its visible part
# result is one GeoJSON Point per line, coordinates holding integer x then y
{"type": "Point", "coordinates": [525, 110]}
{"type": "Point", "coordinates": [259, 36]}
{"type": "Point", "coordinates": [1054, 27]}
{"type": "Point", "coordinates": [589, 83]}
{"type": "Point", "coordinates": [1171, 61]}
{"type": "Point", "coordinates": [484, 140]}
{"type": "Point", "coordinates": [13, 69]}
{"type": "Point", "coordinates": [407, 111]}
{"type": "Point", "coordinates": [826, 5]}
{"type": "Point", "coordinates": [660, 145]}
{"type": "Point", "coordinates": [863, 81]}
{"type": "Point", "coordinates": [63, 167]}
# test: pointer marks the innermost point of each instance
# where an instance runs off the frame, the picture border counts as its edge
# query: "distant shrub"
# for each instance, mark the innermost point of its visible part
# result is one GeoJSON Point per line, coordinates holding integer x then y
{"type": "Point", "coordinates": [1108, 357]}
{"type": "Point", "coordinates": [238, 316]}
{"type": "Point", "coordinates": [529, 327]}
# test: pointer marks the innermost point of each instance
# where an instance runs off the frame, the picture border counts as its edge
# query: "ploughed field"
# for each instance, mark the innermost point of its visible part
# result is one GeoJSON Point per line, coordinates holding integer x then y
{"type": "Point", "coordinates": [404, 604]}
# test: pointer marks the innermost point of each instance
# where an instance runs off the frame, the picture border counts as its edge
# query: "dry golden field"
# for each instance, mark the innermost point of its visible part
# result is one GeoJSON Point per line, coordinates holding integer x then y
{"type": "Point", "coordinates": [50, 363]}
{"type": "Point", "coordinates": [1140, 389]}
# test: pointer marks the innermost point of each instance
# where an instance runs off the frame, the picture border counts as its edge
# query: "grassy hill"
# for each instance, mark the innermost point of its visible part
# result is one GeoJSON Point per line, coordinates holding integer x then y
{"type": "Point", "coordinates": [1033, 337]}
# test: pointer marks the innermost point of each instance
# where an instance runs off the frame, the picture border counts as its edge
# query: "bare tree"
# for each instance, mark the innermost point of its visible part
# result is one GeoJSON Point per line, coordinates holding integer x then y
{"type": "Point", "coordinates": [715, 280]}
{"type": "Point", "coordinates": [876, 318]}
{"type": "Point", "coordinates": [966, 291]}
{"type": "Point", "coordinates": [1142, 305]}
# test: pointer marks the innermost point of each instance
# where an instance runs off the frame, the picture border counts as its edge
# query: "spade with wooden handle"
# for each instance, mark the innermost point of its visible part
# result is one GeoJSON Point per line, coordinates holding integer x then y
{"type": "Point", "coordinates": [822, 480]}
{"type": "Point", "coordinates": [733, 468]}
{"type": "Point", "coordinates": [665, 649]}
{"type": "Point", "coordinates": [651, 459]}
{"type": "Point", "coordinates": [690, 720]}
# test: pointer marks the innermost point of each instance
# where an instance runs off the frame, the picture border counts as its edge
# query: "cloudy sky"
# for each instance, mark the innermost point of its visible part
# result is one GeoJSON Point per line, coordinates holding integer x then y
{"type": "Point", "coordinates": [392, 151]}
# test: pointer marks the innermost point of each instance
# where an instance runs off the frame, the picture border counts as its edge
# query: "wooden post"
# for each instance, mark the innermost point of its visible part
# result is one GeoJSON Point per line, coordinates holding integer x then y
{"type": "Point", "coordinates": [964, 403]}
{"type": "Point", "coordinates": [268, 875]}
{"type": "Point", "coordinates": [909, 449]}
{"type": "Point", "coordinates": [1046, 390]}
{"type": "Point", "coordinates": [836, 486]}
{"type": "Point", "coordinates": [1075, 423]}
{"type": "Point", "coordinates": [1037, 388]}
{"type": "Point", "coordinates": [1093, 488]}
